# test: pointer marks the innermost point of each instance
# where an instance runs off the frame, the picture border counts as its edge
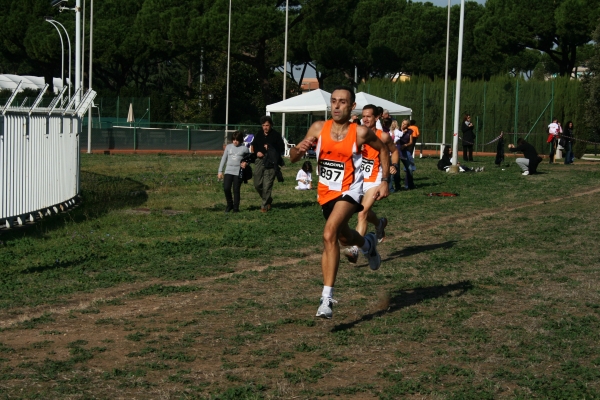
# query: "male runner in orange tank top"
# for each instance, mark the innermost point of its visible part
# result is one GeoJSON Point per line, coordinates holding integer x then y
{"type": "Point", "coordinates": [372, 179]}
{"type": "Point", "coordinates": [340, 185]}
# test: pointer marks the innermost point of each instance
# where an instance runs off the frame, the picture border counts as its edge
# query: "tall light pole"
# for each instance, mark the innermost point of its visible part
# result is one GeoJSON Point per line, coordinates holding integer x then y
{"type": "Point", "coordinates": [446, 83]}
{"type": "Point", "coordinates": [53, 22]}
{"type": "Point", "coordinates": [228, 63]}
{"type": "Point", "coordinates": [89, 149]}
{"type": "Point", "coordinates": [454, 166]}
{"type": "Point", "coordinates": [77, 51]}
{"type": "Point", "coordinates": [62, 46]}
{"type": "Point", "coordinates": [285, 65]}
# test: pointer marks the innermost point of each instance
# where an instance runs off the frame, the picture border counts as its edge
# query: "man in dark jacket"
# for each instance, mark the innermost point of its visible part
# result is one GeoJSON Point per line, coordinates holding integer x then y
{"type": "Point", "coordinates": [267, 162]}
{"type": "Point", "coordinates": [530, 162]}
{"type": "Point", "coordinates": [500, 150]}
{"type": "Point", "coordinates": [468, 139]}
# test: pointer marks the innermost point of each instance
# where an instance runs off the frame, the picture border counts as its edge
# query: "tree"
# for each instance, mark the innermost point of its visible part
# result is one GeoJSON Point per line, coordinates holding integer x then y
{"type": "Point", "coordinates": [592, 88]}
{"type": "Point", "coordinates": [120, 51]}
{"type": "Point", "coordinates": [28, 45]}
{"type": "Point", "coordinates": [555, 27]}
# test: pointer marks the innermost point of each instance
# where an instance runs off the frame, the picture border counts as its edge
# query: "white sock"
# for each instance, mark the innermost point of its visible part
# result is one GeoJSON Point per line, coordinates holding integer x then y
{"type": "Point", "coordinates": [327, 291]}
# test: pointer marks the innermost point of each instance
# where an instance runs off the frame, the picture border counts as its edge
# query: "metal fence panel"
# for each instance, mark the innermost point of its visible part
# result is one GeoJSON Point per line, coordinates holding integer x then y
{"type": "Point", "coordinates": [39, 160]}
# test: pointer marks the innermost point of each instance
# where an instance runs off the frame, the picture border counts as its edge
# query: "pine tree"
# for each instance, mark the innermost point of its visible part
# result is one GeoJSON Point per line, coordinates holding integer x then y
{"type": "Point", "coordinates": [592, 88]}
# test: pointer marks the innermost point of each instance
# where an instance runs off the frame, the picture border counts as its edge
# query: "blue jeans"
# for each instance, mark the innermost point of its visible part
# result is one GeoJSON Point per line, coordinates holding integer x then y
{"type": "Point", "coordinates": [409, 155]}
{"type": "Point", "coordinates": [408, 176]}
{"type": "Point", "coordinates": [569, 156]}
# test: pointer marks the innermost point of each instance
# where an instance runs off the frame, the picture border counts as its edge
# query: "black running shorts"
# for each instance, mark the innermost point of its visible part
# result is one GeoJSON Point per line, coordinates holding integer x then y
{"type": "Point", "coordinates": [327, 208]}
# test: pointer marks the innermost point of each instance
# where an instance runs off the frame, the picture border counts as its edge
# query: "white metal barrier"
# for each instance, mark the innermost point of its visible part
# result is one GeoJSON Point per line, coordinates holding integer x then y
{"type": "Point", "coordinates": [39, 157]}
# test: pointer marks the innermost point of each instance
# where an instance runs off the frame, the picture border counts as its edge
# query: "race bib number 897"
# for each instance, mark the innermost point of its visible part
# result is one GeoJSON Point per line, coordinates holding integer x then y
{"type": "Point", "coordinates": [331, 174]}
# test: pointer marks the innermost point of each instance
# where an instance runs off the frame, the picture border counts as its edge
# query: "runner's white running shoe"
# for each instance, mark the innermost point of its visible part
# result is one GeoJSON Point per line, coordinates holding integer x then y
{"type": "Point", "coordinates": [373, 256]}
{"type": "Point", "coordinates": [326, 307]}
{"type": "Point", "coordinates": [381, 229]}
{"type": "Point", "coordinates": [351, 254]}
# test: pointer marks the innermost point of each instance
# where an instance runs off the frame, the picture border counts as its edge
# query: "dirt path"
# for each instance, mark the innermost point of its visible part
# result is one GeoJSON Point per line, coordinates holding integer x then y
{"type": "Point", "coordinates": [82, 301]}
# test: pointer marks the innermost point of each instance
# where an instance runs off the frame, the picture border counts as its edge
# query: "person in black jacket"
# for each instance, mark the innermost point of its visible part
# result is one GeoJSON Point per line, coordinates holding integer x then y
{"type": "Point", "coordinates": [468, 139]}
{"type": "Point", "coordinates": [268, 147]}
{"type": "Point", "coordinates": [530, 162]}
{"type": "Point", "coordinates": [446, 161]}
{"type": "Point", "coordinates": [566, 141]}
{"type": "Point", "coordinates": [500, 150]}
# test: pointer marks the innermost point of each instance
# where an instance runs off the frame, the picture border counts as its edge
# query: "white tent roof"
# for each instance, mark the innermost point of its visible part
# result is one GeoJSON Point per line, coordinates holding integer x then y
{"type": "Point", "coordinates": [362, 99]}
{"type": "Point", "coordinates": [8, 81]}
{"type": "Point", "coordinates": [316, 100]}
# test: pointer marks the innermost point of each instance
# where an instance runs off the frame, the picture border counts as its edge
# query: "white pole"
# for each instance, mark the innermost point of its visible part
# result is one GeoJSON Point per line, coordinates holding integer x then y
{"type": "Point", "coordinates": [446, 83]}
{"type": "Point", "coordinates": [77, 50]}
{"type": "Point", "coordinates": [228, 57]}
{"type": "Point", "coordinates": [83, 45]}
{"type": "Point", "coordinates": [89, 149]}
{"type": "Point", "coordinates": [201, 76]}
{"type": "Point", "coordinates": [62, 45]}
{"type": "Point", "coordinates": [454, 167]}
{"type": "Point", "coordinates": [69, 41]}
{"type": "Point", "coordinates": [285, 65]}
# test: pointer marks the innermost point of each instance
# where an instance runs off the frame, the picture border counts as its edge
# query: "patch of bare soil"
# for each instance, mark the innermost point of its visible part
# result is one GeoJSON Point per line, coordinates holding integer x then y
{"type": "Point", "coordinates": [253, 327]}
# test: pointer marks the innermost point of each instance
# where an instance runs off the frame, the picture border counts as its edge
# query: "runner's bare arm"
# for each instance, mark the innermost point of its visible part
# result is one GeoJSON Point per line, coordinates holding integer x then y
{"type": "Point", "coordinates": [298, 151]}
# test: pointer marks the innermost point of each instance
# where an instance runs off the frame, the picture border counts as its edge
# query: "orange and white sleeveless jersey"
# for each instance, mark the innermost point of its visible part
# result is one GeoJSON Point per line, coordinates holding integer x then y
{"type": "Point", "coordinates": [370, 162]}
{"type": "Point", "coordinates": [338, 165]}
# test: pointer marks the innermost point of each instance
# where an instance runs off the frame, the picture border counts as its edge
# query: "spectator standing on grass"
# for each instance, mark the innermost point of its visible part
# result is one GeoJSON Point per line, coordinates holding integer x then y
{"type": "Point", "coordinates": [468, 140]}
{"type": "Point", "coordinates": [412, 125]}
{"type": "Point", "coordinates": [232, 161]}
{"type": "Point", "coordinates": [500, 150]}
{"type": "Point", "coordinates": [553, 132]}
{"type": "Point", "coordinates": [567, 143]}
{"type": "Point", "coordinates": [530, 160]}
{"type": "Point", "coordinates": [339, 189]}
{"type": "Point", "coordinates": [267, 162]}
{"type": "Point", "coordinates": [395, 133]}
{"type": "Point", "coordinates": [304, 177]}
{"type": "Point", "coordinates": [403, 143]}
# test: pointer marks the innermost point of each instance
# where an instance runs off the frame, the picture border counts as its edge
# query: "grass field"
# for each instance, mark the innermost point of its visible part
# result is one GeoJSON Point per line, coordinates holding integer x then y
{"type": "Point", "coordinates": [149, 290]}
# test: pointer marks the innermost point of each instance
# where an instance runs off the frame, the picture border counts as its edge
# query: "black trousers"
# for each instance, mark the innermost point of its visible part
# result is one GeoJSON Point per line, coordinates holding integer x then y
{"type": "Point", "coordinates": [468, 152]}
{"type": "Point", "coordinates": [552, 150]}
{"type": "Point", "coordinates": [230, 181]}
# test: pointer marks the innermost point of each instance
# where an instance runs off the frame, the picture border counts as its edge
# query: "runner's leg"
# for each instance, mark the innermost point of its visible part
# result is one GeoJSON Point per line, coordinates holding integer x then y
{"type": "Point", "coordinates": [367, 215]}
{"type": "Point", "coordinates": [337, 231]}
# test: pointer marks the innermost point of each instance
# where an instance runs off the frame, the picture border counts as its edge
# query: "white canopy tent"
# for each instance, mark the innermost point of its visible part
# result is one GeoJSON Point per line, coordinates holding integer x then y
{"type": "Point", "coordinates": [320, 101]}
{"type": "Point", "coordinates": [315, 101]}
{"type": "Point", "coordinates": [362, 99]}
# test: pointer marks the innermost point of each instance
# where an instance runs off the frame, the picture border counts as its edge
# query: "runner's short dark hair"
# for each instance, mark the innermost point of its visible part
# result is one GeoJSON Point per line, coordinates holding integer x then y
{"type": "Point", "coordinates": [372, 108]}
{"type": "Point", "coordinates": [347, 88]}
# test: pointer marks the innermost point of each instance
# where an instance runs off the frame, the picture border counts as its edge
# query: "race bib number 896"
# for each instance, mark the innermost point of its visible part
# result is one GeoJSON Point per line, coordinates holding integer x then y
{"type": "Point", "coordinates": [331, 173]}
